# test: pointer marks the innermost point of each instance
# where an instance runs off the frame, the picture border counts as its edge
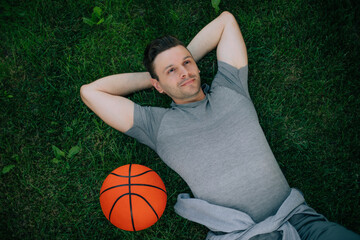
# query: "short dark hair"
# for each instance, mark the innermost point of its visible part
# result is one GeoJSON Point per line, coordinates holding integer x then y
{"type": "Point", "coordinates": [156, 47]}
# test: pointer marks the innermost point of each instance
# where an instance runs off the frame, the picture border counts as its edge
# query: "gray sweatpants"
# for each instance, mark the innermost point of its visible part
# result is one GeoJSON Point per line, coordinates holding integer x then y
{"type": "Point", "coordinates": [317, 228]}
{"type": "Point", "coordinates": [313, 228]}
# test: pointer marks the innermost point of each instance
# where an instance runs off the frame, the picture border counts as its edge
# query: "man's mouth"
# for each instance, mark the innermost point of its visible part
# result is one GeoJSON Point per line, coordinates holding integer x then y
{"type": "Point", "coordinates": [187, 82]}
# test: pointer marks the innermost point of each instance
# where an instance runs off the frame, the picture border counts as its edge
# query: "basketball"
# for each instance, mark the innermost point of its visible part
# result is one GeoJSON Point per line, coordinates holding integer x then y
{"type": "Point", "coordinates": [133, 197]}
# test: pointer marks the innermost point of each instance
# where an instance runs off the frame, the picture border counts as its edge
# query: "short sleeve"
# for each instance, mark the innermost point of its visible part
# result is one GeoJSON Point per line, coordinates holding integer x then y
{"type": "Point", "coordinates": [233, 78]}
{"type": "Point", "coordinates": [146, 124]}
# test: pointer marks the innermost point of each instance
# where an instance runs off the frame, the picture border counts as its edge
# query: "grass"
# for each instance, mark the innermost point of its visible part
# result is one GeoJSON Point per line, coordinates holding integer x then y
{"type": "Point", "coordinates": [304, 81]}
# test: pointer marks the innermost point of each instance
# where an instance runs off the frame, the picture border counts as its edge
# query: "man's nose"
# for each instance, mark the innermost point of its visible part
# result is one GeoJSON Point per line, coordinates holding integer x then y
{"type": "Point", "coordinates": [183, 72]}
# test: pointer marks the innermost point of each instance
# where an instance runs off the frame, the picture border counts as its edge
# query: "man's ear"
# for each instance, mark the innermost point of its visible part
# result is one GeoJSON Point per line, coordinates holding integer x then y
{"type": "Point", "coordinates": [156, 85]}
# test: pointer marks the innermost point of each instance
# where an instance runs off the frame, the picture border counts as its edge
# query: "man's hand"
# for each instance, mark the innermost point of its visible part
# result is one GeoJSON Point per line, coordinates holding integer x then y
{"type": "Point", "coordinates": [224, 33]}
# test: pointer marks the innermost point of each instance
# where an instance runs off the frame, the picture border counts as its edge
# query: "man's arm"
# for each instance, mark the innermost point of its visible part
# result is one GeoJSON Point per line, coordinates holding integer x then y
{"type": "Point", "coordinates": [224, 33]}
{"type": "Point", "coordinates": [106, 97]}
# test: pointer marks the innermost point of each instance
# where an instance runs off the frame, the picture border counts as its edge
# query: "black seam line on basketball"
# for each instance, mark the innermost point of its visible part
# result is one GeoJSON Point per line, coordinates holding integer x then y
{"type": "Point", "coordinates": [112, 208]}
{"type": "Point", "coordinates": [147, 204]}
{"type": "Point", "coordinates": [115, 203]}
{"type": "Point", "coordinates": [132, 176]}
{"type": "Point", "coordinates": [134, 184]}
{"type": "Point", "coordinates": [131, 211]}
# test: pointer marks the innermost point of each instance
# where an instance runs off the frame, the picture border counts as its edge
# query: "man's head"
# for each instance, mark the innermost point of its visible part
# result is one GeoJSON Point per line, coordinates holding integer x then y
{"type": "Point", "coordinates": [173, 69]}
{"type": "Point", "coordinates": [156, 47]}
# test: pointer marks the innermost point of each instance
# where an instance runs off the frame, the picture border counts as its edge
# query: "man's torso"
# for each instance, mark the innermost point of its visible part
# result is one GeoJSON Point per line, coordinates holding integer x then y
{"type": "Point", "coordinates": [218, 147]}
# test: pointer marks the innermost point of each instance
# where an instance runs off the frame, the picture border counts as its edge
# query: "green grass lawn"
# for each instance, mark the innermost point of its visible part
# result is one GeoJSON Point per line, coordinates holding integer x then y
{"type": "Point", "coordinates": [55, 153]}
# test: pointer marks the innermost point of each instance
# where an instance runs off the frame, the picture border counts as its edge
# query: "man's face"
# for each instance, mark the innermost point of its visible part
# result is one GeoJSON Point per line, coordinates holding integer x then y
{"type": "Point", "coordinates": [179, 76]}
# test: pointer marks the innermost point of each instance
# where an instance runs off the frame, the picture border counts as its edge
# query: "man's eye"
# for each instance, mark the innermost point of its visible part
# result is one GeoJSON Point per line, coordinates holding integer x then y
{"type": "Point", "coordinates": [171, 70]}
{"type": "Point", "coordinates": [186, 62]}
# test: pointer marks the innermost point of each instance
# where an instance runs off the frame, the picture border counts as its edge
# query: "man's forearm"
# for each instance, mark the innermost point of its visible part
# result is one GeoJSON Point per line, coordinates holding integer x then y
{"type": "Point", "coordinates": [122, 84]}
{"type": "Point", "coordinates": [224, 34]}
{"type": "Point", "coordinates": [106, 97]}
{"type": "Point", "coordinates": [208, 38]}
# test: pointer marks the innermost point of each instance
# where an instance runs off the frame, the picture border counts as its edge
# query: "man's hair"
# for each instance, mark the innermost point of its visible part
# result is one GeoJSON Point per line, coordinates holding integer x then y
{"type": "Point", "coordinates": [156, 47]}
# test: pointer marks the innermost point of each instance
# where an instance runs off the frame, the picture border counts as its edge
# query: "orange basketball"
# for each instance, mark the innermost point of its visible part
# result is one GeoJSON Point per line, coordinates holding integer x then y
{"type": "Point", "coordinates": [133, 197]}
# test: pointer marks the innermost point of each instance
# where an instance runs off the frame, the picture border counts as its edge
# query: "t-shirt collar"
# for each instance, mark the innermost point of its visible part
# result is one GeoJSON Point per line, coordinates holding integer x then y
{"type": "Point", "coordinates": [205, 88]}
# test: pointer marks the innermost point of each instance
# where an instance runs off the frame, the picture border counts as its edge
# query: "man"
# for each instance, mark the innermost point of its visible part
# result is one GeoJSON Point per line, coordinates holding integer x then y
{"type": "Point", "coordinates": [211, 137]}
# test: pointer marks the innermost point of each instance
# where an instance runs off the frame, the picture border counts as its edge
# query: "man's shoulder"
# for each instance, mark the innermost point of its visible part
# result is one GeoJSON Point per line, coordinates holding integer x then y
{"type": "Point", "coordinates": [230, 77]}
{"type": "Point", "coordinates": [151, 111]}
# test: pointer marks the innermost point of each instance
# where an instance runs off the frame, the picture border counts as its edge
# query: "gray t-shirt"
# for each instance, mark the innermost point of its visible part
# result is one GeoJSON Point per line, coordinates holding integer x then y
{"type": "Point", "coordinates": [217, 146]}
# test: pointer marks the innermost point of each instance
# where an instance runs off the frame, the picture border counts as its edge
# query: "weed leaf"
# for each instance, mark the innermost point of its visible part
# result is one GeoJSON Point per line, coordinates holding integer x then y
{"type": "Point", "coordinates": [101, 21]}
{"type": "Point", "coordinates": [7, 169]}
{"type": "Point", "coordinates": [57, 152]}
{"type": "Point", "coordinates": [97, 17]}
{"type": "Point", "coordinates": [88, 21]}
{"type": "Point", "coordinates": [55, 160]}
{"type": "Point", "coordinates": [215, 4]}
{"type": "Point", "coordinates": [97, 12]}
{"type": "Point", "coordinates": [73, 151]}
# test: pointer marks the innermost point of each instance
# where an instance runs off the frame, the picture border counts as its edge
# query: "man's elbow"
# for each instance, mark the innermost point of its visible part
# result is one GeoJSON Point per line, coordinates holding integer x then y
{"type": "Point", "coordinates": [228, 15]}
{"type": "Point", "coordinates": [84, 92]}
